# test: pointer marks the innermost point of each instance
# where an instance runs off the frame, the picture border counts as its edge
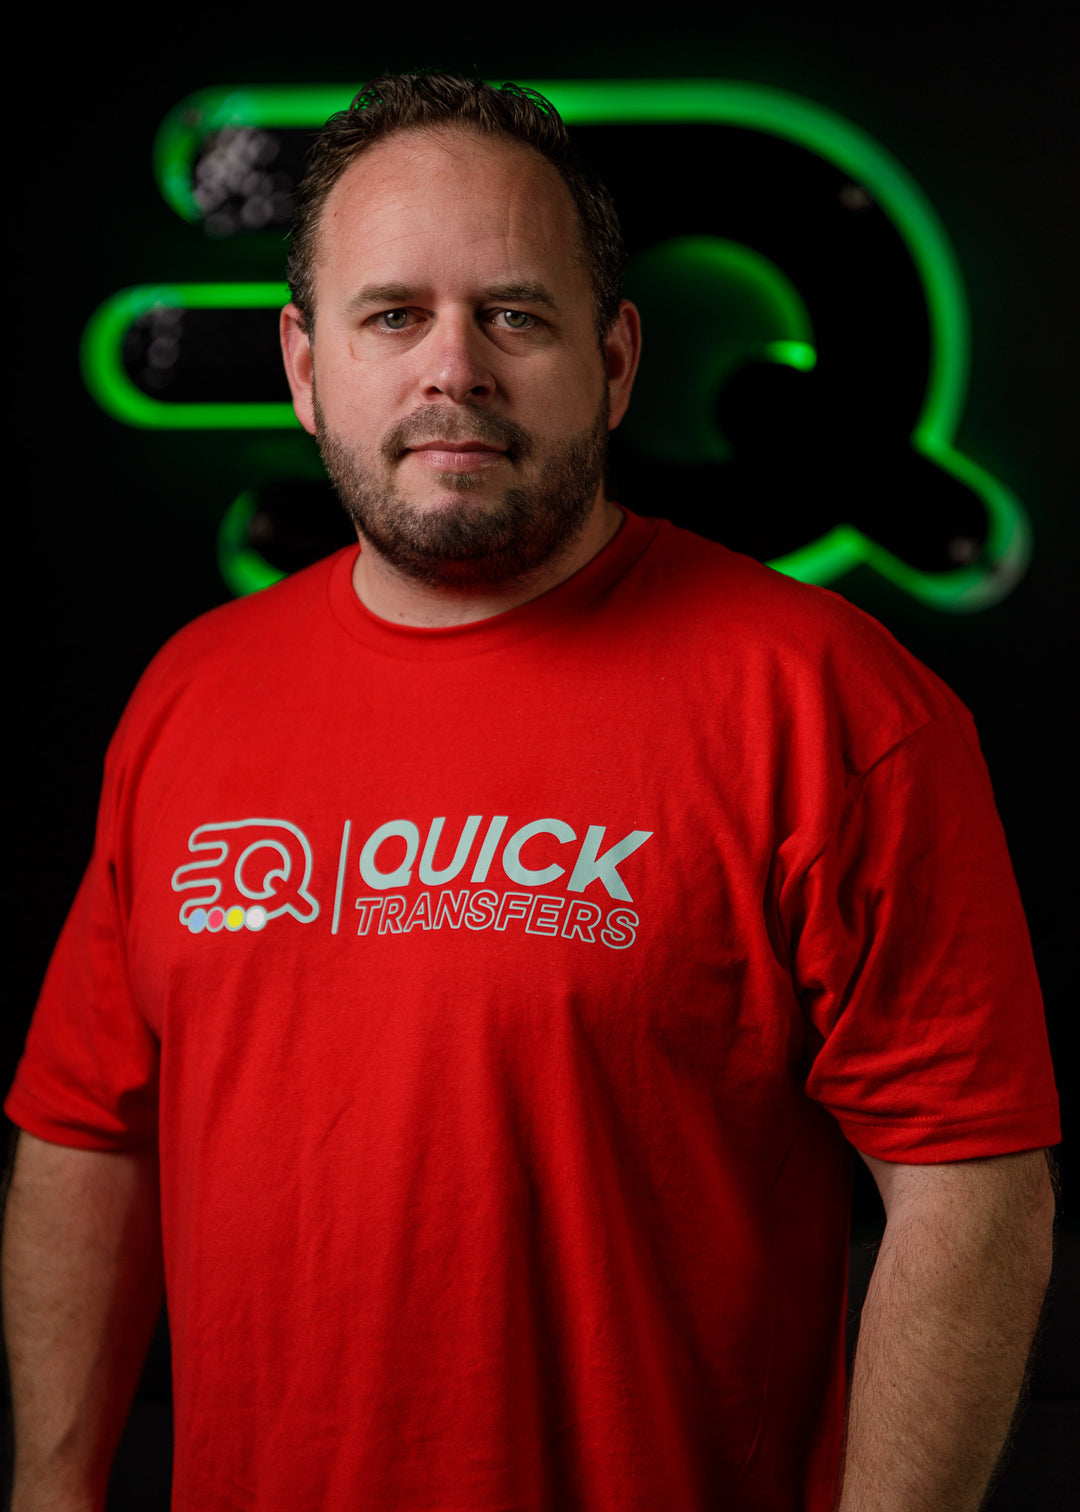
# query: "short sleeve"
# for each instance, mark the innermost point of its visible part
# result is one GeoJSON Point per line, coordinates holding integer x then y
{"type": "Point", "coordinates": [913, 963]}
{"type": "Point", "coordinates": [88, 1076]}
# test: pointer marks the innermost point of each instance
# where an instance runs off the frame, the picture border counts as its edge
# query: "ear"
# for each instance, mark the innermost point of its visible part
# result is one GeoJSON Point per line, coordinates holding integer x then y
{"type": "Point", "coordinates": [299, 365]}
{"type": "Point", "coordinates": [622, 351]}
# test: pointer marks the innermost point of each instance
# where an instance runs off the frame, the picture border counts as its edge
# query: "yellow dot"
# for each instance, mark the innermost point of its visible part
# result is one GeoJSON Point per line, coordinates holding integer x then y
{"type": "Point", "coordinates": [234, 919]}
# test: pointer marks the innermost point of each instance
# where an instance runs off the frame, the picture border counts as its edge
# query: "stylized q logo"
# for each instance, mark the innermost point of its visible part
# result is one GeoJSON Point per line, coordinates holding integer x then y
{"type": "Point", "coordinates": [272, 866]}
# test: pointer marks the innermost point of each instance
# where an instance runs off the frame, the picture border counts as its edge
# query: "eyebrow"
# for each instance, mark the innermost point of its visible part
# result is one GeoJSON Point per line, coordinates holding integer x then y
{"type": "Point", "coordinates": [525, 293]}
{"type": "Point", "coordinates": [399, 295]}
{"type": "Point", "coordinates": [378, 294]}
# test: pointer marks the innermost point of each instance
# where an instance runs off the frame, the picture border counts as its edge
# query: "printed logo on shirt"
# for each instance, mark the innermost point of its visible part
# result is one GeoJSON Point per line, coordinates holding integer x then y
{"type": "Point", "coordinates": [268, 864]}
{"type": "Point", "coordinates": [265, 862]}
{"type": "Point", "coordinates": [385, 867]}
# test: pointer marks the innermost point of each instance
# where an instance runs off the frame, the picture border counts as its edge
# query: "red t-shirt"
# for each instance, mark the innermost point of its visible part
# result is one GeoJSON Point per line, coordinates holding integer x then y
{"type": "Point", "coordinates": [506, 998]}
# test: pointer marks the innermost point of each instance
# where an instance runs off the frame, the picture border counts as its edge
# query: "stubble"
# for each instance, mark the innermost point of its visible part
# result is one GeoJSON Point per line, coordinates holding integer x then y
{"type": "Point", "coordinates": [458, 541]}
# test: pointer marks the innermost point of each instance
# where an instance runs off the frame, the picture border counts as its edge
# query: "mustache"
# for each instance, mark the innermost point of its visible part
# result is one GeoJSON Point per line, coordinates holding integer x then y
{"type": "Point", "coordinates": [470, 424]}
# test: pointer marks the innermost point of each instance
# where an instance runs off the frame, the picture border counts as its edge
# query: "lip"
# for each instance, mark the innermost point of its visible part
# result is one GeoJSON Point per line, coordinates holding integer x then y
{"type": "Point", "coordinates": [455, 446]}
{"type": "Point", "coordinates": [457, 456]}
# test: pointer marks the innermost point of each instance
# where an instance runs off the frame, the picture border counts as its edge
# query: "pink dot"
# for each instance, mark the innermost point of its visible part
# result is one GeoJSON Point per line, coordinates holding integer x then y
{"type": "Point", "coordinates": [215, 918]}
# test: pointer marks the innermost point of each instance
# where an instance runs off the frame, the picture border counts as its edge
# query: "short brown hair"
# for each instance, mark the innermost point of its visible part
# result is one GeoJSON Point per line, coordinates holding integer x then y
{"type": "Point", "coordinates": [413, 102]}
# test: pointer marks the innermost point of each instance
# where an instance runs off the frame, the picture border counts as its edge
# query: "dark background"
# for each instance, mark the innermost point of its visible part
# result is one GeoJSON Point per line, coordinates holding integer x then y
{"type": "Point", "coordinates": [114, 529]}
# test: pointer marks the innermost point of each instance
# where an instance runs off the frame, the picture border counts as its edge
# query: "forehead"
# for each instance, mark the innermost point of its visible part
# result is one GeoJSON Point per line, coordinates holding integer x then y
{"type": "Point", "coordinates": [425, 203]}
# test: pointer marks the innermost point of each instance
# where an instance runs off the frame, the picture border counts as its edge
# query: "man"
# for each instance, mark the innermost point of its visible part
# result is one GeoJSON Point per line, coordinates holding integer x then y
{"type": "Point", "coordinates": [496, 941]}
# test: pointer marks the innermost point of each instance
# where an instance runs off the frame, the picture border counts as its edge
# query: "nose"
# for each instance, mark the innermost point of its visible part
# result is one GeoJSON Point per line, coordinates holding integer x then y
{"type": "Point", "coordinates": [456, 360]}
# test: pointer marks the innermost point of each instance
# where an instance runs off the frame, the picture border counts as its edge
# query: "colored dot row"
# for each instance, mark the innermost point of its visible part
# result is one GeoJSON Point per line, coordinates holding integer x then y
{"type": "Point", "coordinates": [232, 919]}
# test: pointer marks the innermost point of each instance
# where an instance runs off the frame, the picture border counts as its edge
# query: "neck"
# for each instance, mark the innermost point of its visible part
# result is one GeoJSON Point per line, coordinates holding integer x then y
{"type": "Point", "coordinates": [393, 596]}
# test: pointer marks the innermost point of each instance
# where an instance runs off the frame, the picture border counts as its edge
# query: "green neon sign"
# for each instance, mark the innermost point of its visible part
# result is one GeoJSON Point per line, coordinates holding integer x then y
{"type": "Point", "coordinates": [738, 293]}
{"type": "Point", "coordinates": [101, 357]}
{"type": "Point", "coordinates": [243, 569]}
{"type": "Point", "coordinates": [613, 102]}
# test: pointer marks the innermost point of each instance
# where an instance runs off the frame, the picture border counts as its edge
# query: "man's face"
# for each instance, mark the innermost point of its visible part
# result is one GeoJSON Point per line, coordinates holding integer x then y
{"type": "Point", "coordinates": [459, 397]}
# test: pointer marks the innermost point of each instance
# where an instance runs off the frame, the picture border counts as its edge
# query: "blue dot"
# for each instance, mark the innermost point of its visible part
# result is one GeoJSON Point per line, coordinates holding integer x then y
{"type": "Point", "coordinates": [197, 920]}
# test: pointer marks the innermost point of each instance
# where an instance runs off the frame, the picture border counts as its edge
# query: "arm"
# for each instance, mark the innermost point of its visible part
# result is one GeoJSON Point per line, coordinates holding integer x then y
{"type": "Point", "coordinates": [947, 1326]}
{"type": "Point", "coordinates": [82, 1289]}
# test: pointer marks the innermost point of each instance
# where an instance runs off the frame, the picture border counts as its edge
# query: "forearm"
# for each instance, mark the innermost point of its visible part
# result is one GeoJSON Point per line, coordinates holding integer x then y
{"type": "Point", "coordinates": [82, 1289]}
{"type": "Point", "coordinates": [944, 1340]}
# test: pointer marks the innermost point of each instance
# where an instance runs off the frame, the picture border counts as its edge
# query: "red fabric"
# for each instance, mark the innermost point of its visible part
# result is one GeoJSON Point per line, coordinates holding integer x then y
{"type": "Point", "coordinates": [515, 1177]}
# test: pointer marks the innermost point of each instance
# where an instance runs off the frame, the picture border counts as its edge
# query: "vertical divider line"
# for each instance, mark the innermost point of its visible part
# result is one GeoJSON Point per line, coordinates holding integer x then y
{"type": "Point", "coordinates": [341, 874]}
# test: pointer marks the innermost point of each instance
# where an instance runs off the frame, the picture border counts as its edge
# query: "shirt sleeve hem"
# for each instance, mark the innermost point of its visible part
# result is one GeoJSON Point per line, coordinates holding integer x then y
{"type": "Point", "coordinates": [44, 1124]}
{"type": "Point", "coordinates": [929, 1140]}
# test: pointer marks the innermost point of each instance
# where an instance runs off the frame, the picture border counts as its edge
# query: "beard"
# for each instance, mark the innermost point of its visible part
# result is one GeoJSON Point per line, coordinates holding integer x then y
{"type": "Point", "coordinates": [458, 542]}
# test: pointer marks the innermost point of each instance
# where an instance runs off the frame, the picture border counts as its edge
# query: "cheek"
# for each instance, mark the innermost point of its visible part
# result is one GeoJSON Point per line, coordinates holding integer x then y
{"type": "Point", "coordinates": [353, 400]}
{"type": "Point", "coordinates": [573, 404]}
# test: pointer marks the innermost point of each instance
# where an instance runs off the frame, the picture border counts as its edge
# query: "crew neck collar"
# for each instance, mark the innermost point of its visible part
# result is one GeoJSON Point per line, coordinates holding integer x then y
{"type": "Point", "coordinates": [539, 615]}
